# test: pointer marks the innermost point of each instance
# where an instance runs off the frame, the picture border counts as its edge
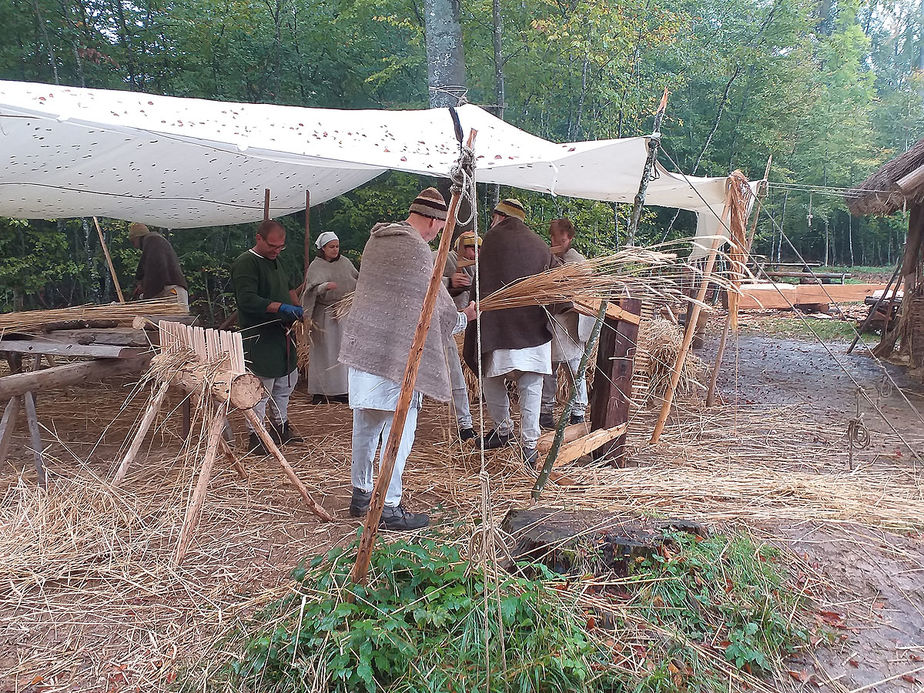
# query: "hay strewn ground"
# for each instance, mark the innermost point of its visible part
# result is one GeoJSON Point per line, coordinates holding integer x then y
{"type": "Point", "coordinates": [90, 601]}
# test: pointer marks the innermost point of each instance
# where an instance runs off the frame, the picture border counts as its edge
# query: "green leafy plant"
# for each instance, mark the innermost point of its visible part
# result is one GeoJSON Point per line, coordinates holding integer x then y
{"type": "Point", "coordinates": [427, 621]}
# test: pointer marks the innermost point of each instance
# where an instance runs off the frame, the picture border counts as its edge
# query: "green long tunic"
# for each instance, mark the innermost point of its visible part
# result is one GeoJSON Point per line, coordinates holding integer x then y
{"type": "Point", "coordinates": [258, 282]}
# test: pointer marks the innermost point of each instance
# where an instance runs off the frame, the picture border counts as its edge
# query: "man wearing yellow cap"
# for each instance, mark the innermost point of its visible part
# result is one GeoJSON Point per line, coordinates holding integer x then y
{"type": "Point", "coordinates": [516, 343]}
{"type": "Point", "coordinates": [159, 274]}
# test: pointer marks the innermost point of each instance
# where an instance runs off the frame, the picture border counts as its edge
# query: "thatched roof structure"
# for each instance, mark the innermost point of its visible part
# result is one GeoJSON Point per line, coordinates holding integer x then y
{"type": "Point", "coordinates": [891, 187]}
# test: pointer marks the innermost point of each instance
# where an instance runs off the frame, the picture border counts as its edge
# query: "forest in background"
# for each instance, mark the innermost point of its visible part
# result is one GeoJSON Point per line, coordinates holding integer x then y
{"type": "Point", "coordinates": [830, 88]}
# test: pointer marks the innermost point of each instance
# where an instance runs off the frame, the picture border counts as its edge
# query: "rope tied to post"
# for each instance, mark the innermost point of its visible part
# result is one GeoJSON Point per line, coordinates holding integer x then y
{"type": "Point", "coordinates": [462, 173]}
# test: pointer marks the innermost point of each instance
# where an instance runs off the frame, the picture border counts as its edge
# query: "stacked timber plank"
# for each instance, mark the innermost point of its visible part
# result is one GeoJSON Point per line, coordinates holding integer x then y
{"type": "Point", "coordinates": [768, 295]}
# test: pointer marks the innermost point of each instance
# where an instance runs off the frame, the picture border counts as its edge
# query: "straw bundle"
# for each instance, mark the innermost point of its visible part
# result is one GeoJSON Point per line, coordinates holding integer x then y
{"type": "Point", "coordinates": [120, 313]}
{"type": "Point", "coordinates": [632, 271]}
{"type": "Point", "coordinates": [737, 194]}
{"type": "Point", "coordinates": [302, 330]}
{"type": "Point", "coordinates": [661, 341]}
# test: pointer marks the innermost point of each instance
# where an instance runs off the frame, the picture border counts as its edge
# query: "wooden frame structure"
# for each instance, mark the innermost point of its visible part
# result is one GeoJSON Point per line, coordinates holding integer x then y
{"type": "Point", "coordinates": [207, 365]}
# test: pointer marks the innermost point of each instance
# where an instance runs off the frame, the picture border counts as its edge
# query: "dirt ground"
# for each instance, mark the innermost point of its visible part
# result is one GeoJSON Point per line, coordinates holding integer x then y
{"type": "Point", "coordinates": [91, 602]}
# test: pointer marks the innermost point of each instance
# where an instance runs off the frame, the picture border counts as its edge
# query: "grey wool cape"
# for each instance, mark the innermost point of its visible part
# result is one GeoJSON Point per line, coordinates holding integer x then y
{"type": "Point", "coordinates": [326, 375]}
{"type": "Point", "coordinates": [379, 329]}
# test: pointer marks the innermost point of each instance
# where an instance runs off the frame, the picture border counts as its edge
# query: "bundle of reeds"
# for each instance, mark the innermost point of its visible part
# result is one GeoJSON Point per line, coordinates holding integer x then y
{"type": "Point", "coordinates": [119, 313]}
{"type": "Point", "coordinates": [631, 271]}
{"type": "Point", "coordinates": [302, 330]}
{"type": "Point", "coordinates": [661, 341]}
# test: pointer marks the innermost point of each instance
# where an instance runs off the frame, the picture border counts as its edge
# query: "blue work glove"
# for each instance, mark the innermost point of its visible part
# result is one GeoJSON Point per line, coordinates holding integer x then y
{"type": "Point", "coordinates": [290, 313]}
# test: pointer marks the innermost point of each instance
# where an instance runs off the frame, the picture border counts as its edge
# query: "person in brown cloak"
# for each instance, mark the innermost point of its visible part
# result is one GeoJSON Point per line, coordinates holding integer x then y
{"type": "Point", "coordinates": [330, 277]}
{"type": "Point", "coordinates": [159, 274]}
{"type": "Point", "coordinates": [516, 343]}
{"type": "Point", "coordinates": [377, 337]}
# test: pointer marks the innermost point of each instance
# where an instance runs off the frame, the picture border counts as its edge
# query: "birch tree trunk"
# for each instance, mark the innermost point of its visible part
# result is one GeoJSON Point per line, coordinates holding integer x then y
{"type": "Point", "coordinates": [445, 57]}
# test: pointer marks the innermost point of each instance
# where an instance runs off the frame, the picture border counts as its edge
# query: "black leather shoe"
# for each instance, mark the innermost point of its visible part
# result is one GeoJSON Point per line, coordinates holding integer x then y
{"type": "Point", "coordinates": [359, 503]}
{"type": "Point", "coordinates": [287, 434]}
{"type": "Point", "coordinates": [497, 440]}
{"type": "Point", "coordinates": [577, 418]}
{"type": "Point", "coordinates": [547, 421]}
{"type": "Point", "coordinates": [318, 399]}
{"type": "Point", "coordinates": [530, 457]}
{"type": "Point", "coordinates": [339, 399]}
{"type": "Point", "coordinates": [397, 518]}
{"type": "Point", "coordinates": [467, 433]}
{"type": "Point", "coordinates": [255, 446]}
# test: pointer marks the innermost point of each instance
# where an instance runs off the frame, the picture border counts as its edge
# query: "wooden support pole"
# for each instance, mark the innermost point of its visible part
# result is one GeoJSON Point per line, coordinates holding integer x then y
{"type": "Point", "coordinates": [194, 509]}
{"type": "Point", "coordinates": [720, 353]}
{"type": "Point", "coordinates": [654, 142]}
{"type": "Point", "coordinates": [286, 467]}
{"type": "Point", "coordinates": [266, 204]}
{"type": "Point", "coordinates": [115, 279]}
{"type": "Point", "coordinates": [35, 434]}
{"type": "Point", "coordinates": [35, 437]}
{"type": "Point", "coordinates": [387, 466]}
{"type": "Point", "coordinates": [307, 230]}
{"type": "Point", "coordinates": [8, 425]}
{"type": "Point", "coordinates": [611, 392]}
{"type": "Point", "coordinates": [872, 311]}
{"type": "Point", "coordinates": [231, 457]}
{"type": "Point", "coordinates": [692, 317]}
{"type": "Point", "coordinates": [150, 413]}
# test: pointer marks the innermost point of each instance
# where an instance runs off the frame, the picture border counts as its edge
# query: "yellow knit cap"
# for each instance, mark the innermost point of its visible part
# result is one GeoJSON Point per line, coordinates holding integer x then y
{"type": "Point", "coordinates": [137, 230]}
{"type": "Point", "coordinates": [511, 207]}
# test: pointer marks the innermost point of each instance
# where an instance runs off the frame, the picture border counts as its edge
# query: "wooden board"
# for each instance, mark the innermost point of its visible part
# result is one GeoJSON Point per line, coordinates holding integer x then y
{"type": "Point", "coordinates": [589, 306]}
{"type": "Point", "coordinates": [785, 296]}
{"type": "Point", "coordinates": [585, 445]}
{"type": "Point", "coordinates": [60, 348]}
{"type": "Point", "coordinates": [611, 391]}
{"type": "Point", "coordinates": [572, 433]}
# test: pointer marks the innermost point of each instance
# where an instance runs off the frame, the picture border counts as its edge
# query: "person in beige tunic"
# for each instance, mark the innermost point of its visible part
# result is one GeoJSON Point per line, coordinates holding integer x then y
{"type": "Point", "coordinates": [330, 277]}
{"type": "Point", "coordinates": [570, 332]}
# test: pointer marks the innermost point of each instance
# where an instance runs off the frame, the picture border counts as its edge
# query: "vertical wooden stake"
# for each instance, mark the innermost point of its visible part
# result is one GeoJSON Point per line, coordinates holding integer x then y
{"type": "Point", "coordinates": [266, 203]}
{"type": "Point", "coordinates": [692, 316]}
{"type": "Point", "coordinates": [149, 415]}
{"type": "Point", "coordinates": [387, 466]}
{"type": "Point", "coordinates": [307, 230]}
{"type": "Point", "coordinates": [115, 279]}
{"type": "Point", "coordinates": [7, 426]}
{"type": "Point", "coordinates": [194, 509]}
{"type": "Point", "coordinates": [35, 436]}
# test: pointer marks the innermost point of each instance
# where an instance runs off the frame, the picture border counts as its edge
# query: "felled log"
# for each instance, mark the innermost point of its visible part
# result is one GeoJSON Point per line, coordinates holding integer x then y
{"type": "Point", "coordinates": [583, 541]}
{"type": "Point", "coordinates": [59, 376]}
{"type": "Point", "coordinates": [241, 390]}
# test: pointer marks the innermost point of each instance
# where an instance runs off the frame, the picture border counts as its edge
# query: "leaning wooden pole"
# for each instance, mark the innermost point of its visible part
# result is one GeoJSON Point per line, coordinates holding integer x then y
{"type": "Point", "coordinates": [266, 204]}
{"type": "Point", "coordinates": [371, 526]}
{"type": "Point", "coordinates": [720, 353]}
{"type": "Point", "coordinates": [115, 279]}
{"type": "Point", "coordinates": [692, 316]}
{"type": "Point", "coordinates": [307, 231]}
{"type": "Point", "coordinates": [654, 143]}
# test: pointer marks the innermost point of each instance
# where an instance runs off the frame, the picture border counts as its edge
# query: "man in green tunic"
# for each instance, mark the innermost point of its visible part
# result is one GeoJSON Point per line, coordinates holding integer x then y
{"type": "Point", "coordinates": [267, 308]}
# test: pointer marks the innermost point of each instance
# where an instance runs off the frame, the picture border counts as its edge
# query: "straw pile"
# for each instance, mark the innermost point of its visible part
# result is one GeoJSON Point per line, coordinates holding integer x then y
{"type": "Point", "coordinates": [119, 313]}
{"type": "Point", "coordinates": [661, 340]}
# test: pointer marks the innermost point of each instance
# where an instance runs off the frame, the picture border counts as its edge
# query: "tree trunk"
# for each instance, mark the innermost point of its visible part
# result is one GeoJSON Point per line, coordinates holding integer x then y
{"type": "Point", "coordinates": [49, 46]}
{"type": "Point", "coordinates": [500, 92]}
{"type": "Point", "coordinates": [445, 57]}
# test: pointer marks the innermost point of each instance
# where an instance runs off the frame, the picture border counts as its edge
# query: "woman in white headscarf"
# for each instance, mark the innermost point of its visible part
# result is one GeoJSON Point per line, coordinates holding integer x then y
{"type": "Point", "coordinates": [330, 277]}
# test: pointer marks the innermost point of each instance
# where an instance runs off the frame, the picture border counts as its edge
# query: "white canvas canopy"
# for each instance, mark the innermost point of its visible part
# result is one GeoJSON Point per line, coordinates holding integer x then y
{"type": "Point", "coordinates": [182, 163]}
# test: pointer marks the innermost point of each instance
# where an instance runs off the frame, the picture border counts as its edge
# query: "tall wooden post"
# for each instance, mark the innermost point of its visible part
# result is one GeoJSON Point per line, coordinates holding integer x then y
{"type": "Point", "coordinates": [611, 392]}
{"type": "Point", "coordinates": [266, 204]}
{"type": "Point", "coordinates": [653, 144]}
{"type": "Point", "coordinates": [115, 279]}
{"type": "Point", "coordinates": [307, 230]}
{"type": "Point", "coordinates": [387, 466]}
